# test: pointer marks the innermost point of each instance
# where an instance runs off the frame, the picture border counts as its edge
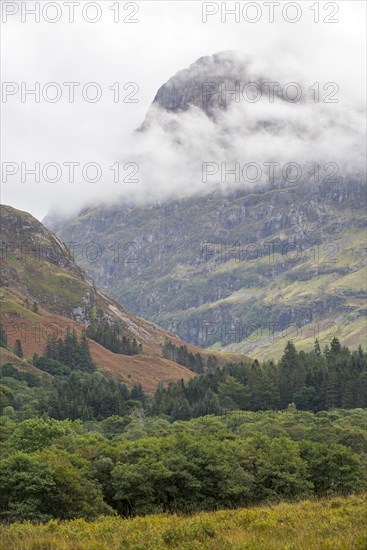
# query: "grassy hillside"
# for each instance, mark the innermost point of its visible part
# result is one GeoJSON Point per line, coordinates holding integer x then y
{"type": "Point", "coordinates": [43, 290]}
{"type": "Point", "coordinates": [335, 524]}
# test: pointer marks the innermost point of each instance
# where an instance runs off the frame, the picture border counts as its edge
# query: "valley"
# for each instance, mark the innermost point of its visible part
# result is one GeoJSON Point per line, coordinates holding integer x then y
{"type": "Point", "coordinates": [183, 352]}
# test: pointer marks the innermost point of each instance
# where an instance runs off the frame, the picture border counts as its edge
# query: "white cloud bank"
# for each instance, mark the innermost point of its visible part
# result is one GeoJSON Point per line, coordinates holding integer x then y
{"type": "Point", "coordinates": [169, 37]}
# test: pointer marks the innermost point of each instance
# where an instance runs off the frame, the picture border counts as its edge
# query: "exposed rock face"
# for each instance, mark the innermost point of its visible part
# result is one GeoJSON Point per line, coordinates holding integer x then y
{"type": "Point", "coordinates": [200, 84]}
{"type": "Point", "coordinates": [209, 84]}
{"type": "Point", "coordinates": [27, 237]}
{"type": "Point", "coordinates": [203, 266]}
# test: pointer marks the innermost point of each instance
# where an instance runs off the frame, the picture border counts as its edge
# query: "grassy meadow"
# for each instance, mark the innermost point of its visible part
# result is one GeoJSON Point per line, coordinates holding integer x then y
{"type": "Point", "coordinates": [327, 524]}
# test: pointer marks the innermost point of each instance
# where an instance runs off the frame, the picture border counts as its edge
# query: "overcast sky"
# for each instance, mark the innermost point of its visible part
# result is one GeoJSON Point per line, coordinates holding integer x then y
{"type": "Point", "coordinates": [168, 36]}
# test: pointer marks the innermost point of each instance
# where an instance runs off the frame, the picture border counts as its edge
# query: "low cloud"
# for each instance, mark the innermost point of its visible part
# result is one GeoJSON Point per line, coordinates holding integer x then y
{"type": "Point", "coordinates": [170, 152]}
{"type": "Point", "coordinates": [188, 152]}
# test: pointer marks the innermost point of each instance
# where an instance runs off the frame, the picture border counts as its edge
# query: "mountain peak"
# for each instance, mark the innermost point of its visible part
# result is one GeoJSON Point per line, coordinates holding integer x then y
{"type": "Point", "coordinates": [199, 84]}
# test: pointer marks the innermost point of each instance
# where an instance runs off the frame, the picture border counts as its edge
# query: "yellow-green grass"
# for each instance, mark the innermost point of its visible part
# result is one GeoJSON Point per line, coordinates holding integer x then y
{"type": "Point", "coordinates": [43, 279]}
{"type": "Point", "coordinates": [237, 297]}
{"type": "Point", "coordinates": [356, 281]}
{"type": "Point", "coordinates": [351, 330]}
{"type": "Point", "coordinates": [12, 304]}
{"type": "Point", "coordinates": [48, 280]}
{"type": "Point", "coordinates": [335, 524]}
{"type": "Point", "coordinates": [298, 291]}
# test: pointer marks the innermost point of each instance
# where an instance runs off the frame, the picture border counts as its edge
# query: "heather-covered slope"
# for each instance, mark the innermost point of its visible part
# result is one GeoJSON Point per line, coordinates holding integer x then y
{"type": "Point", "coordinates": [43, 290]}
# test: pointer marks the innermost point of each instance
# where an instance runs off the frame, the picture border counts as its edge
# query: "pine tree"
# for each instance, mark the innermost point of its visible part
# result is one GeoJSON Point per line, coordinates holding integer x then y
{"type": "Point", "coordinates": [231, 390]}
{"type": "Point", "coordinates": [134, 347]}
{"type": "Point", "coordinates": [333, 390]}
{"type": "Point", "coordinates": [298, 376]}
{"type": "Point", "coordinates": [137, 393]}
{"type": "Point", "coordinates": [74, 347]}
{"type": "Point", "coordinates": [60, 349]}
{"type": "Point", "coordinates": [327, 352]}
{"type": "Point", "coordinates": [159, 405]}
{"type": "Point", "coordinates": [69, 349]}
{"type": "Point", "coordinates": [18, 348]}
{"type": "Point", "coordinates": [317, 347]}
{"type": "Point", "coordinates": [169, 350]}
{"type": "Point", "coordinates": [268, 390]}
{"type": "Point", "coordinates": [85, 360]}
{"type": "Point", "coordinates": [255, 383]}
{"type": "Point", "coordinates": [335, 347]}
{"type": "Point", "coordinates": [182, 410]}
{"type": "Point", "coordinates": [51, 351]}
{"type": "Point", "coordinates": [125, 346]}
{"type": "Point", "coordinates": [199, 364]}
{"type": "Point", "coordinates": [212, 362]}
{"type": "Point", "coordinates": [289, 364]}
{"type": "Point", "coordinates": [209, 405]}
{"type": "Point", "coordinates": [3, 337]}
{"type": "Point", "coordinates": [348, 395]}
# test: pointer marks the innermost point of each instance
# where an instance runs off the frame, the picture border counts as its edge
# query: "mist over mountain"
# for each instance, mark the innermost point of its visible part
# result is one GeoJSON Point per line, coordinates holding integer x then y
{"type": "Point", "coordinates": [227, 109]}
{"type": "Point", "coordinates": [232, 122]}
{"type": "Point", "coordinates": [228, 263]}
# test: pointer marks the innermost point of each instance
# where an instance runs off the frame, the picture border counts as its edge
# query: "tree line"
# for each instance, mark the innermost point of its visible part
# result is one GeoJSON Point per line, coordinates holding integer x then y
{"type": "Point", "coordinates": [316, 380]}
{"type": "Point", "coordinates": [70, 351]}
{"type": "Point", "coordinates": [111, 337]}
{"type": "Point", "coordinates": [184, 357]}
{"type": "Point", "coordinates": [75, 389]}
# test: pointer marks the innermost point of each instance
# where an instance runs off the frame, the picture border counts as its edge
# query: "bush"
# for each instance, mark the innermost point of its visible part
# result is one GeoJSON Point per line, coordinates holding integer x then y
{"type": "Point", "coordinates": [48, 484]}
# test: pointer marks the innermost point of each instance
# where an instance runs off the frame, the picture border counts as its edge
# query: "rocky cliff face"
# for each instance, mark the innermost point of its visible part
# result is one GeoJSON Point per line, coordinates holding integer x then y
{"type": "Point", "coordinates": [225, 271]}
{"type": "Point", "coordinates": [210, 84]}
{"type": "Point", "coordinates": [203, 84]}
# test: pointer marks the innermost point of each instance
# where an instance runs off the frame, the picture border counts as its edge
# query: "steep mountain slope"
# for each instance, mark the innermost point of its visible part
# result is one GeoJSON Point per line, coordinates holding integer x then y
{"type": "Point", "coordinates": [236, 268]}
{"type": "Point", "coordinates": [260, 268]}
{"type": "Point", "coordinates": [43, 290]}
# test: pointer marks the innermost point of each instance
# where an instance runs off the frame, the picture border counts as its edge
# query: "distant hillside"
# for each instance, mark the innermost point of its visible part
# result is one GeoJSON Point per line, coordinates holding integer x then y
{"type": "Point", "coordinates": [241, 272]}
{"type": "Point", "coordinates": [43, 290]}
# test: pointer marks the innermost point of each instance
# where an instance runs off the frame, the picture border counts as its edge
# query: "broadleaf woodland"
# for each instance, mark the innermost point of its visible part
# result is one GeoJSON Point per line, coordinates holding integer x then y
{"type": "Point", "coordinates": [78, 444]}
